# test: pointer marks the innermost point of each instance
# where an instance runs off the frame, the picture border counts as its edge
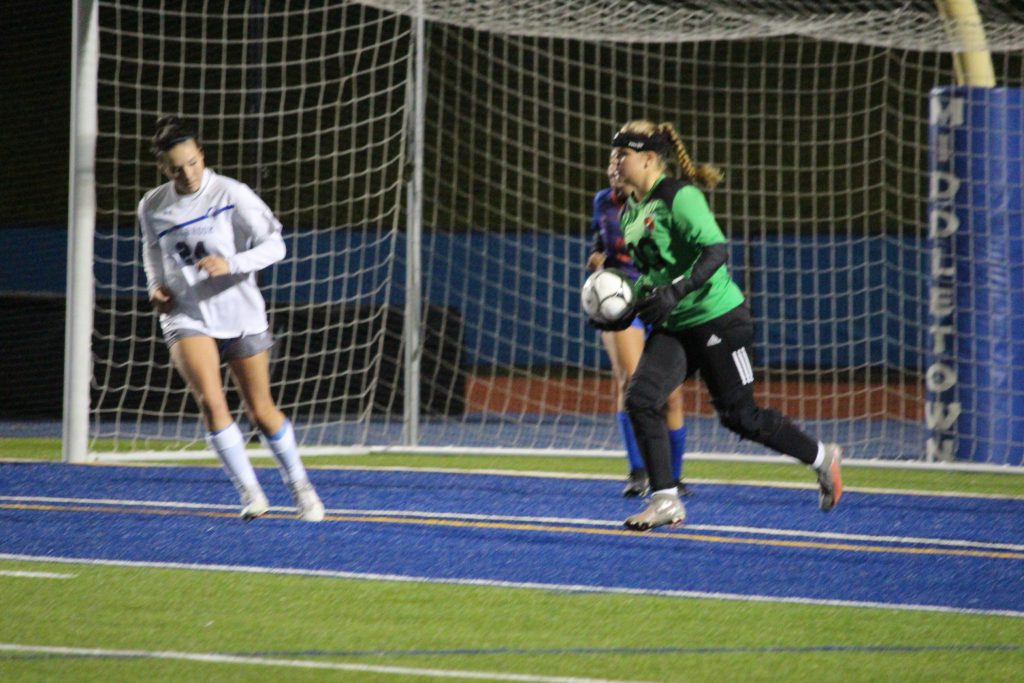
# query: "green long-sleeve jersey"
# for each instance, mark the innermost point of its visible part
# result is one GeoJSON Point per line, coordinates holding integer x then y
{"type": "Point", "coordinates": [665, 233]}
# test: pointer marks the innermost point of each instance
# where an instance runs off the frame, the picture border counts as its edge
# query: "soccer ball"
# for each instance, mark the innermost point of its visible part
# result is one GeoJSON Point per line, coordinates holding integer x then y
{"type": "Point", "coordinates": [608, 296]}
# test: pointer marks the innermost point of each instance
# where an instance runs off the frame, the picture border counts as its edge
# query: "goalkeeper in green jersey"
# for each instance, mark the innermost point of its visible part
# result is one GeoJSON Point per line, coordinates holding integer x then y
{"type": "Point", "coordinates": [625, 342]}
{"type": "Point", "coordinates": [699, 317]}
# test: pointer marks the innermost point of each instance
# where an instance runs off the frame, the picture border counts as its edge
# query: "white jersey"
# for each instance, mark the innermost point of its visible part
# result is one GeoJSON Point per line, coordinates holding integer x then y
{"type": "Point", "coordinates": [222, 218]}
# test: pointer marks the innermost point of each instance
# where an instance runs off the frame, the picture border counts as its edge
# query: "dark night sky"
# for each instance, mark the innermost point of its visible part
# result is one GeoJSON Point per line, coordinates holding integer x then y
{"type": "Point", "coordinates": [35, 82]}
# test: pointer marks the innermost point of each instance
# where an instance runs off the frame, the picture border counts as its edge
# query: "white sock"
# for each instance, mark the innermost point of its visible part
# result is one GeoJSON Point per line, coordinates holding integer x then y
{"type": "Point", "coordinates": [820, 458]}
{"type": "Point", "coordinates": [674, 491]}
{"type": "Point", "coordinates": [286, 452]}
{"type": "Point", "coordinates": [229, 444]}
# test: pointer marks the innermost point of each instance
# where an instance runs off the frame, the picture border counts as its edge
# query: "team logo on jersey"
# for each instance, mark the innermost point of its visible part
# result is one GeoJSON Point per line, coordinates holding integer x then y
{"type": "Point", "coordinates": [210, 213]}
{"type": "Point", "coordinates": [647, 212]}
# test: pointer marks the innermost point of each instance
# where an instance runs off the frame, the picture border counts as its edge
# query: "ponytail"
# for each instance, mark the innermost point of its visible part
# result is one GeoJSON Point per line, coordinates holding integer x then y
{"type": "Point", "coordinates": [705, 175]}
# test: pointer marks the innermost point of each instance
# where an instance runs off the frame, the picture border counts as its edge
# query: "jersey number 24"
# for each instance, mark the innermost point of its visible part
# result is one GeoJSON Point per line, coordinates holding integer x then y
{"type": "Point", "coordinates": [188, 255]}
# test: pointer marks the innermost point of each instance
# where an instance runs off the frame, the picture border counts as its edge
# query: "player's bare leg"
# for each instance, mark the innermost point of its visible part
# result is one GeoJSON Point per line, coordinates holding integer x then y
{"type": "Point", "coordinates": [198, 361]}
{"type": "Point", "coordinates": [624, 349]}
{"type": "Point", "coordinates": [252, 375]}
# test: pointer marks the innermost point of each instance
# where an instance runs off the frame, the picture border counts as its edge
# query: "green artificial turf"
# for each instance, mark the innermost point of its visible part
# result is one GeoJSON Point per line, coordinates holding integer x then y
{"type": "Point", "coordinates": [460, 628]}
{"type": "Point", "coordinates": [497, 631]}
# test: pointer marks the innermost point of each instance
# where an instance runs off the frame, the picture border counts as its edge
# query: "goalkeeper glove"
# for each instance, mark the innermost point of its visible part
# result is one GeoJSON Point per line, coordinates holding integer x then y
{"type": "Point", "coordinates": [656, 306]}
{"type": "Point", "coordinates": [616, 326]}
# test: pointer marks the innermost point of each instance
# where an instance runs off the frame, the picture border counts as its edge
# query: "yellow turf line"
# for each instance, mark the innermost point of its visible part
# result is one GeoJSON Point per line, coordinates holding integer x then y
{"type": "Point", "coordinates": [510, 526]}
{"type": "Point", "coordinates": [467, 517]}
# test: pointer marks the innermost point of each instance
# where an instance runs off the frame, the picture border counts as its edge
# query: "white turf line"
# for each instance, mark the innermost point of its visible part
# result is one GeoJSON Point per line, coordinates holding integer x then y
{"type": "Point", "coordinates": [36, 575]}
{"type": "Point", "coordinates": [217, 658]}
{"type": "Point", "coordinates": [541, 474]}
{"type": "Point", "coordinates": [572, 521]}
{"type": "Point", "coordinates": [441, 451]}
{"type": "Point", "coordinates": [488, 583]}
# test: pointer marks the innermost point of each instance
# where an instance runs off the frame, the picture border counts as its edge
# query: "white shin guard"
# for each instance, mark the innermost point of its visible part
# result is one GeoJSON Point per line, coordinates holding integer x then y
{"type": "Point", "coordinates": [286, 453]}
{"type": "Point", "coordinates": [229, 444]}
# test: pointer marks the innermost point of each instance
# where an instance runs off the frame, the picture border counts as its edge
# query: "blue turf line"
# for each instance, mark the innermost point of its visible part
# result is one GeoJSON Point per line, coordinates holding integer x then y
{"type": "Point", "coordinates": [602, 558]}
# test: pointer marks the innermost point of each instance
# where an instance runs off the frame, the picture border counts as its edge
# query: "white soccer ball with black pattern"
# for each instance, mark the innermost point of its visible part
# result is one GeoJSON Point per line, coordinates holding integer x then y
{"type": "Point", "coordinates": [608, 296]}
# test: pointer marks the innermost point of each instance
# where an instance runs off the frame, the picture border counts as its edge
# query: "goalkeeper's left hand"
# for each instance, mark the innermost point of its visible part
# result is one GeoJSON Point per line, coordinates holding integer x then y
{"type": "Point", "coordinates": [616, 326]}
{"type": "Point", "coordinates": [656, 306]}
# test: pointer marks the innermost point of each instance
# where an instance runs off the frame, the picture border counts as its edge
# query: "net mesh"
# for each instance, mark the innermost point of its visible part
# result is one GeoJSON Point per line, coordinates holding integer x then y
{"type": "Point", "coordinates": [816, 111]}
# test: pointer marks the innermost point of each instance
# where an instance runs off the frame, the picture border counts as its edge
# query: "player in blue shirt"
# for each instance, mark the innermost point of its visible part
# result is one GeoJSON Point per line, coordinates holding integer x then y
{"type": "Point", "coordinates": [624, 346]}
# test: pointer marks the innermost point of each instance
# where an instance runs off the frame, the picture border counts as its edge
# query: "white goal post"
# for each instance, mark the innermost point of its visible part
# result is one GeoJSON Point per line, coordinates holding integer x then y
{"type": "Point", "coordinates": [434, 163]}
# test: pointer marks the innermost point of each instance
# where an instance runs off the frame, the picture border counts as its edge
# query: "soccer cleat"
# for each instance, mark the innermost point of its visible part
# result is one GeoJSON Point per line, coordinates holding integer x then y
{"type": "Point", "coordinates": [830, 477]}
{"type": "Point", "coordinates": [311, 509]}
{"type": "Point", "coordinates": [254, 504]}
{"type": "Point", "coordinates": [684, 490]}
{"type": "Point", "coordinates": [637, 484]}
{"type": "Point", "coordinates": [662, 509]}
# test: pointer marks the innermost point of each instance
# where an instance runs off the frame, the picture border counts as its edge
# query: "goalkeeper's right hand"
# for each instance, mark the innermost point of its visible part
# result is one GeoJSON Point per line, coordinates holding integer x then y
{"type": "Point", "coordinates": [617, 326]}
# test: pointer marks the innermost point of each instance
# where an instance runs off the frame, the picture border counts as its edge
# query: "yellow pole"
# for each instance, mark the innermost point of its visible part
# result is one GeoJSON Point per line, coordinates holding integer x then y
{"type": "Point", "coordinates": [973, 61]}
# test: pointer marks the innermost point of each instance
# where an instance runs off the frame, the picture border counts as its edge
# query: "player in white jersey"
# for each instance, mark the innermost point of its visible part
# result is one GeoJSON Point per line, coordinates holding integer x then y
{"type": "Point", "coordinates": [204, 238]}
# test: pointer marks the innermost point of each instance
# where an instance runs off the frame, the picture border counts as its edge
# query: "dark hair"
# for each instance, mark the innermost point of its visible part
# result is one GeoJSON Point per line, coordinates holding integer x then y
{"type": "Point", "coordinates": [170, 130]}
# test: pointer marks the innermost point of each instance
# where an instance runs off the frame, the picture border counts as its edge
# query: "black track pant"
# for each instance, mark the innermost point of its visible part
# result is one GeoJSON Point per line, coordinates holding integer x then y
{"type": "Point", "coordinates": [721, 350]}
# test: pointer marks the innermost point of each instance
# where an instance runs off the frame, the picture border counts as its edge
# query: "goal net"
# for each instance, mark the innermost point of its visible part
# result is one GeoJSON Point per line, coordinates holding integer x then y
{"type": "Point", "coordinates": [818, 113]}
